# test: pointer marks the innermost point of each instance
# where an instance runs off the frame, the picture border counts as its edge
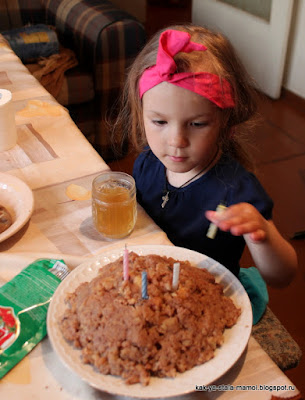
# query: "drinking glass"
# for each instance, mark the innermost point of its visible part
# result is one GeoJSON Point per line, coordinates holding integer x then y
{"type": "Point", "coordinates": [114, 204]}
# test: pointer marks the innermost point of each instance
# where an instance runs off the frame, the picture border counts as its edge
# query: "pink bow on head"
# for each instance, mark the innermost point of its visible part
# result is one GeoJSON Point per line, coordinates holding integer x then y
{"type": "Point", "coordinates": [208, 85]}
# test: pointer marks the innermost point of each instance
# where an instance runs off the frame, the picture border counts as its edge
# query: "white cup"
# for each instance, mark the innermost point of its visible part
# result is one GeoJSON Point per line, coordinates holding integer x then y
{"type": "Point", "coordinates": [8, 133]}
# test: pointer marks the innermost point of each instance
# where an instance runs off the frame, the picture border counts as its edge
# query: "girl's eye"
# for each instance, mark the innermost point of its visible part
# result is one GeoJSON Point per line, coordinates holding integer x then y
{"type": "Point", "coordinates": [159, 122]}
{"type": "Point", "coordinates": [199, 124]}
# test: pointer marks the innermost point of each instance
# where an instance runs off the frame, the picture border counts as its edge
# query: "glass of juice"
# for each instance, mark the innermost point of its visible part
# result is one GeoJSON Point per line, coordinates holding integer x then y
{"type": "Point", "coordinates": [114, 204]}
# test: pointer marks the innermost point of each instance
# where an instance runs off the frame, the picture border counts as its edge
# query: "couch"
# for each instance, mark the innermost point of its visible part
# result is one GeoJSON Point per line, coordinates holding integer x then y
{"type": "Point", "coordinates": [105, 40]}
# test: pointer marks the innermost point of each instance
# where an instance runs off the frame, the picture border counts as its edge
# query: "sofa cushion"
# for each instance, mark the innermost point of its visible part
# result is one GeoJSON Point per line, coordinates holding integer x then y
{"type": "Point", "coordinates": [77, 87]}
{"type": "Point", "coordinates": [33, 41]}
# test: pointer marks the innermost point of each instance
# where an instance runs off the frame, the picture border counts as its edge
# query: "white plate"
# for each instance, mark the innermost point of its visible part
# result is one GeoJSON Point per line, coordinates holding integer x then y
{"type": "Point", "coordinates": [17, 198]}
{"type": "Point", "coordinates": [235, 339]}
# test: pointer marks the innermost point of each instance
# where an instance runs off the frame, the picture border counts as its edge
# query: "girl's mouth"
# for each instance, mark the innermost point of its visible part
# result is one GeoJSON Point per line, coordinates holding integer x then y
{"type": "Point", "coordinates": [177, 159]}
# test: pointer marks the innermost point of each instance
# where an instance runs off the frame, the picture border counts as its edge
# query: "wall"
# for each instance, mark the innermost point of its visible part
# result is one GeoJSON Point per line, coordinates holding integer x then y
{"type": "Point", "coordinates": [294, 77]}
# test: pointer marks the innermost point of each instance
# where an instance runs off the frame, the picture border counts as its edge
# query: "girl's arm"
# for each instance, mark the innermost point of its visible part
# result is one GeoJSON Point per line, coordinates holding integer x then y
{"type": "Point", "coordinates": [273, 255]}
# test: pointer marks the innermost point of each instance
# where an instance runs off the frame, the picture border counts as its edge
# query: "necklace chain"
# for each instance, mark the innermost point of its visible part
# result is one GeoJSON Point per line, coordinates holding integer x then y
{"type": "Point", "coordinates": [165, 198]}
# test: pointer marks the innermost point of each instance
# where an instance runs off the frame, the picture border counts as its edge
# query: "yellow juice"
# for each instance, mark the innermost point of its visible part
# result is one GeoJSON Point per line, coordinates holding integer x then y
{"type": "Point", "coordinates": [114, 210]}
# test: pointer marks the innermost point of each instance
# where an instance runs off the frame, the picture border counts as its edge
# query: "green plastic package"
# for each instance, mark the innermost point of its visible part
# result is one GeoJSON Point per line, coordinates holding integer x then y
{"type": "Point", "coordinates": [24, 304]}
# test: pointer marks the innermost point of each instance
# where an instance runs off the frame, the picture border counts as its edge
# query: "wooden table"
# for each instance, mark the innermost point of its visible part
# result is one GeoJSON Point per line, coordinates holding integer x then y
{"type": "Point", "coordinates": [50, 155]}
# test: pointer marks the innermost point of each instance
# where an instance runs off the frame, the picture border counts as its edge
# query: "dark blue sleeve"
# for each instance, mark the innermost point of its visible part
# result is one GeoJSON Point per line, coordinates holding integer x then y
{"type": "Point", "coordinates": [145, 172]}
{"type": "Point", "coordinates": [137, 166]}
{"type": "Point", "coordinates": [249, 189]}
{"type": "Point", "coordinates": [137, 173]}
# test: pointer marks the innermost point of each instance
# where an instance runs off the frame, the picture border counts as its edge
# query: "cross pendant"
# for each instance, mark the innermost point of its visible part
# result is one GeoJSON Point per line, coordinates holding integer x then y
{"type": "Point", "coordinates": [165, 199]}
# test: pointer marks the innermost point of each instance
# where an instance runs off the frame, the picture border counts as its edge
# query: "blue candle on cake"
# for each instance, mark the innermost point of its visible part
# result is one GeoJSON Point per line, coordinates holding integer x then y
{"type": "Point", "coordinates": [144, 285]}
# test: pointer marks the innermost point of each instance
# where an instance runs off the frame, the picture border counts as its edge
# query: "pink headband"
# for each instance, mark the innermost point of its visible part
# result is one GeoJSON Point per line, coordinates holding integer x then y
{"type": "Point", "coordinates": [208, 85]}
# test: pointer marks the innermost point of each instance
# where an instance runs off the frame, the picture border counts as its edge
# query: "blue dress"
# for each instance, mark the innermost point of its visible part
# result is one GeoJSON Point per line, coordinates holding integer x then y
{"type": "Point", "coordinates": [183, 217]}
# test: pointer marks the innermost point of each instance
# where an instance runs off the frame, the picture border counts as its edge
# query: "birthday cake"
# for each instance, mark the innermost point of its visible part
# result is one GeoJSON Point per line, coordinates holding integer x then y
{"type": "Point", "coordinates": [169, 331]}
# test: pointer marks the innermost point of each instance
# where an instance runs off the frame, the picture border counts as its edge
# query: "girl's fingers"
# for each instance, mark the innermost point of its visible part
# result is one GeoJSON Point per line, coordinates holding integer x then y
{"type": "Point", "coordinates": [258, 236]}
{"type": "Point", "coordinates": [239, 221]}
{"type": "Point", "coordinates": [236, 223]}
{"type": "Point", "coordinates": [211, 216]}
{"type": "Point", "coordinates": [255, 233]}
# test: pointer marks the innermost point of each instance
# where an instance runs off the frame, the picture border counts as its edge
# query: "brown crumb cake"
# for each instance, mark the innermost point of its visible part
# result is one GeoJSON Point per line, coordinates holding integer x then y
{"type": "Point", "coordinates": [172, 331]}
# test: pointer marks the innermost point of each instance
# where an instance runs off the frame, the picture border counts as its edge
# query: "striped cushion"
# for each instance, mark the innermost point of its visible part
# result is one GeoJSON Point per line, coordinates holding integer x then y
{"type": "Point", "coordinates": [107, 40]}
{"type": "Point", "coordinates": [77, 87]}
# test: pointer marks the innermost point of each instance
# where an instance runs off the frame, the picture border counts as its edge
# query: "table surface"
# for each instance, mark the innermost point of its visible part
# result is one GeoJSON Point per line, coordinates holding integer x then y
{"type": "Point", "coordinates": [51, 154]}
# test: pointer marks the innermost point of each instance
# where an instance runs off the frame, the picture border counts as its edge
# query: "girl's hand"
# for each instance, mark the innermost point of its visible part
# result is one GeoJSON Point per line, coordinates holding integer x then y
{"type": "Point", "coordinates": [275, 258]}
{"type": "Point", "coordinates": [241, 219]}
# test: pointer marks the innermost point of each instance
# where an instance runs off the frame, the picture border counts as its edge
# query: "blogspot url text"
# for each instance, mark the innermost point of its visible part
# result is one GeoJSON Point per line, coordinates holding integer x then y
{"type": "Point", "coordinates": [225, 388]}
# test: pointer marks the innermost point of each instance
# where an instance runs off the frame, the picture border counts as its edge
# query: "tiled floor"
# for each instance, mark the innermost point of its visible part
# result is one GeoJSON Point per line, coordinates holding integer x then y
{"type": "Point", "coordinates": [280, 155]}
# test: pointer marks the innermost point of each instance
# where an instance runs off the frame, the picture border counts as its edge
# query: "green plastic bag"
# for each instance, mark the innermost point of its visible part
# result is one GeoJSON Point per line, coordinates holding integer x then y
{"type": "Point", "coordinates": [21, 330]}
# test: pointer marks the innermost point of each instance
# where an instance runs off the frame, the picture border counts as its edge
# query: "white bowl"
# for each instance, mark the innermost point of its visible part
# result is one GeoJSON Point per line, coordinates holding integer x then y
{"type": "Point", "coordinates": [17, 198]}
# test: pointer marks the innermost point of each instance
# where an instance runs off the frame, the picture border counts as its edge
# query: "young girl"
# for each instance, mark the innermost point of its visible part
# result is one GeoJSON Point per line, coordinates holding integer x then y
{"type": "Point", "coordinates": [188, 98]}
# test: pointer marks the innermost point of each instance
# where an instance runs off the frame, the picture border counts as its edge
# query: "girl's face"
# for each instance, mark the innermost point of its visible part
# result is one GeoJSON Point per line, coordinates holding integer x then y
{"type": "Point", "coordinates": [182, 127]}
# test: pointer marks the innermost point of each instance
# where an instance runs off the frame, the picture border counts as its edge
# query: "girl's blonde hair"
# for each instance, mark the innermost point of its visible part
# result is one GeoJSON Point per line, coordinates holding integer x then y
{"type": "Point", "coordinates": [220, 58]}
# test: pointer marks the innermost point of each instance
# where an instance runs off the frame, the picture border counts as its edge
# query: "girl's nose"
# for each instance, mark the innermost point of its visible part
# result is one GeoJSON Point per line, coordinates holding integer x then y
{"type": "Point", "coordinates": [177, 137]}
